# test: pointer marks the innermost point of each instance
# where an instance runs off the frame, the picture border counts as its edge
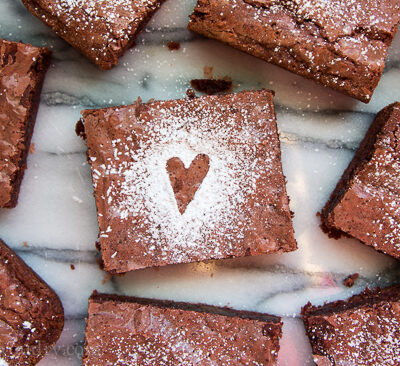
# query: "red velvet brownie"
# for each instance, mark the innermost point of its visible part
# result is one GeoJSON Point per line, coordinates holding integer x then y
{"type": "Point", "coordinates": [102, 30]}
{"type": "Point", "coordinates": [366, 201]}
{"type": "Point", "coordinates": [133, 331]}
{"type": "Point", "coordinates": [338, 43]}
{"type": "Point", "coordinates": [363, 330]}
{"type": "Point", "coordinates": [31, 314]}
{"type": "Point", "coordinates": [22, 70]}
{"type": "Point", "coordinates": [188, 180]}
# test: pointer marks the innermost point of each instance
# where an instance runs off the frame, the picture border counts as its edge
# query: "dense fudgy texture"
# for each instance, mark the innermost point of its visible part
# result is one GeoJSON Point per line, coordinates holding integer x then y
{"type": "Point", "coordinates": [363, 330]}
{"type": "Point", "coordinates": [232, 203]}
{"type": "Point", "coordinates": [122, 331]}
{"type": "Point", "coordinates": [22, 70]}
{"type": "Point", "coordinates": [341, 44]}
{"type": "Point", "coordinates": [366, 201]}
{"type": "Point", "coordinates": [31, 314]}
{"type": "Point", "coordinates": [102, 30]}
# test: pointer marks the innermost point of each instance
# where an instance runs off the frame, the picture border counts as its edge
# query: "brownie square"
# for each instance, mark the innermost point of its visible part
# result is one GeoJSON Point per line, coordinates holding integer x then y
{"type": "Point", "coordinates": [22, 70]}
{"type": "Point", "coordinates": [366, 201]}
{"type": "Point", "coordinates": [134, 331]}
{"type": "Point", "coordinates": [188, 180]}
{"type": "Point", "coordinates": [102, 30]}
{"type": "Point", "coordinates": [363, 330]}
{"type": "Point", "coordinates": [31, 314]}
{"type": "Point", "coordinates": [341, 44]}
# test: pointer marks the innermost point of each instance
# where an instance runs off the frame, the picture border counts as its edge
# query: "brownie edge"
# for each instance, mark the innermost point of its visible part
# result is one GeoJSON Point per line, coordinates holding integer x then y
{"type": "Point", "coordinates": [362, 330]}
{"type": "Point", "coordinates": [101, 30]}
{"type": "Point", "coordinates": [22, 71]}
{"type": "Point", "coordinates": [146, 331]}
{"type": "Point", "coordinates": [365, 203]}
{"type": "Point", "coordinates": [31, 314]}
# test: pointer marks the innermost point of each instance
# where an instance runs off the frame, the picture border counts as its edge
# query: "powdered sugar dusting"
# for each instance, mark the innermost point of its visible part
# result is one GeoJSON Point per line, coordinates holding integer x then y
{"type": "Point", "coordinates": [365, 336]}
{"type": "Point", "coordinates": [3, 362]}
{"type": "Point", "coordinates": [148, 335]}
{"type": "Point", "coordinates": [241, 143]}
{"type": "Point", "coordinates": [377, 187]}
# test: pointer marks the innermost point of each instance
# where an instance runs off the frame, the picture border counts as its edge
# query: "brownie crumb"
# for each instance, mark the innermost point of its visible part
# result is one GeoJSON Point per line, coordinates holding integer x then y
{"type": "Point", "coordinates": [349, 280]}
{"type": "Point", "coordinates": [173, 46]}
{"type": "Point", "coordinates": [32, 148]}
{"type": "Point", "coordinates": [191, 93]}
{"type": "Point", "coordinates": [332, 233]}
{"type": "Point", "coordinates": [80, 130]}
{"type": "Point", "coordinates": [25, 244]}
{"type": "Point", "coordinates": [208, 72]}
{"type": "Point", "coordinates": [72, 267]}
{"type": "Point", "coordinates": [211, 86]}
{"type": "Point", "coordinates": [106, 278]}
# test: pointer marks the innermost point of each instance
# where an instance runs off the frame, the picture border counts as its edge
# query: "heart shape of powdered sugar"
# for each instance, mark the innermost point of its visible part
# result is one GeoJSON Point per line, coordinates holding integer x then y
{"type": "Point", "coordinates": [186, 182]}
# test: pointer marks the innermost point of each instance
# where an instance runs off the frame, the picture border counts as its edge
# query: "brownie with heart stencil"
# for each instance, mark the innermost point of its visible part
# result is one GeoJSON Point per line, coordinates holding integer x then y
{"type": "Point", "coordinates": [188, 180]}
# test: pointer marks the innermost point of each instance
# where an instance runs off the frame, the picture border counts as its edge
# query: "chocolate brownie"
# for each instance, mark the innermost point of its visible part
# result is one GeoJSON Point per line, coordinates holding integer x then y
{"type": "Point", "coordinates": [126, 331]}
{"type": "Point", "coordinates": [366, 201]}
{"type": "Point", "coordinates": [363, 330]}
{"type": "Point", "coordinates": [22, 70]}
{"type": "Point", "coordinates": [102, 30]}
{"type": "Point", "coordinates": [188, 180]}
{"type": "Point", "coordinates": [31, 314]}
{"type": "Point", "coordinates": [339, 43]}
{"type": "Point", "coordinates": [211, 86]}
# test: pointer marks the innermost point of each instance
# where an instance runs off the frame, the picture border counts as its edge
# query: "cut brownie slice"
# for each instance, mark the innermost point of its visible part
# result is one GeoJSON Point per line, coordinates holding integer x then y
{"type": "Point", "coordinates": [364, 330]}
{"type": "Point", "coordinates": [188, 180]}
{"type": "Point", "coordinates": [22, 70]}
{"type": "Point", "coordinates": [366, 202]}
{"type": "Point", "coordinates": [102, 30]}
{"type": "Point", "coordinates": [126, 331]}
{"type": "Point", "coordinates": [339, 43]}
{"type": "Point", "coordinates": [31, 314]}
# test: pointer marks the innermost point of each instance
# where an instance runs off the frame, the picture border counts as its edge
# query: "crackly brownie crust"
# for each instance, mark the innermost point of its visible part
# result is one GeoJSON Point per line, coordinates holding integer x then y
{"type": "Point", "coordinates": [126, 330]}
{"type": "Point", "coordinates": [363, 330]}
{"type": "Point", "coordinates": [102, 30]}
{"type": "Point", "coordinates": [22, 70]}
{"type": "Point", "coordinates": [341, 44]}
{"type": "Point", "coordinates": [239, 204]}
{"type": "Point", "coordinates": [365, 203]}
{"type": "Point", "coordinates": [31, 314]}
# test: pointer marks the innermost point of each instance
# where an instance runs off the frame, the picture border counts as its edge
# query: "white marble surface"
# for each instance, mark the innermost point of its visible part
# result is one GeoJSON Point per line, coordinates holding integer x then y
{"type": "Point", "coordinates": [320, 130]}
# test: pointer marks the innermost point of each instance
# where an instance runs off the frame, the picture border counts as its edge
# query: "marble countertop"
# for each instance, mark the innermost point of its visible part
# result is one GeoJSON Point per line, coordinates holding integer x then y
{"type": "Point", "coordinates": [54, 226]}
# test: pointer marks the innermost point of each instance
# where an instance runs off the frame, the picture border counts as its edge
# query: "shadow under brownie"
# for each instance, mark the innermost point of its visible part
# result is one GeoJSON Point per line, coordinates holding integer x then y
{"type": "Point", "coordinates": [340, 44]}
{"type": "Point", "coordinates": [188, 180]}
